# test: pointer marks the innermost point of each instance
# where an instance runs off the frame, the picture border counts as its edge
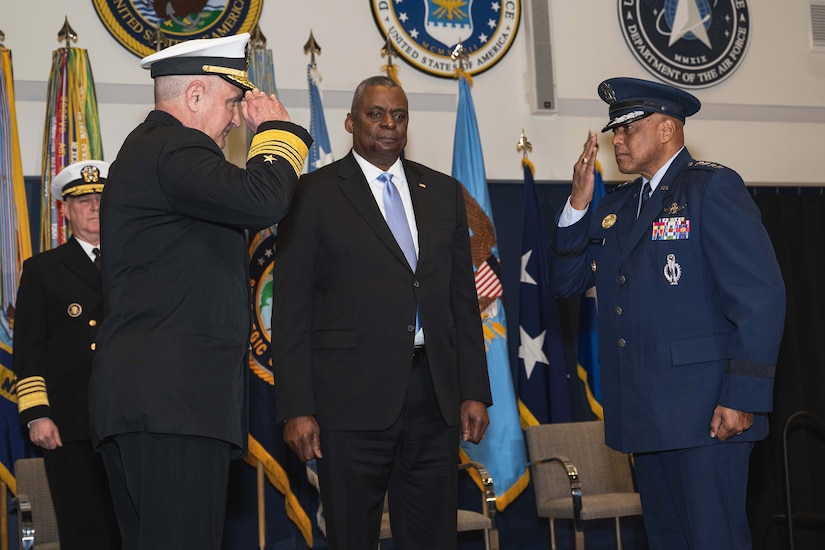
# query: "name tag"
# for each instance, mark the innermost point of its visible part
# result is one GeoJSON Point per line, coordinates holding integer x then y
{"type": "Point", "coordinates": [671, 229]}
{"type": "Point", "coordinates": [596, 241]}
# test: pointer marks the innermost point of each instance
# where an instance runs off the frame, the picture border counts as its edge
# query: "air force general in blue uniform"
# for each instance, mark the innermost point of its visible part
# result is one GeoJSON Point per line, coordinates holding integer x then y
{"type": "Point", "coordinates": [691, 311]}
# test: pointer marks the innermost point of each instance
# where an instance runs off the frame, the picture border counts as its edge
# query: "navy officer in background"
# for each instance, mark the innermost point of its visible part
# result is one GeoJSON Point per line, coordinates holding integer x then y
{"type": "Point", "coordinates": [59, 307]}
{"type": "Point", "coordinates": [691, 312]}
{"type": "Point", "coordinates": [169, 389]}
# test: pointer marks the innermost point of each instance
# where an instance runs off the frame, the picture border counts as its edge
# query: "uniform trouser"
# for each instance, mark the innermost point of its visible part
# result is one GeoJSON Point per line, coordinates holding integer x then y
{"type": "Point", "coordinates": [82, 502]}
{"type": "Point", "coordinates": [695, 498]}
{"type": "Point", "coordinates": [416, 459]}
{"type": "Point", "coordinates": [169, 490]}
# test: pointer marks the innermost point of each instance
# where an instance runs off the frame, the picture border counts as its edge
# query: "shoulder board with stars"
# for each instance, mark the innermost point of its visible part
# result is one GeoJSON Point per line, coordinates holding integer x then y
{"type": "Point", "coordinates": [625, 185]}
{"type": "Point", "coordinates": [705, 164]}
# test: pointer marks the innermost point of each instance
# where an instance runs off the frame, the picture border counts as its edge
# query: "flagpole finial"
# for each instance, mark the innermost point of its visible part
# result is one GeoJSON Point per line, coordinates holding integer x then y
{"type": "Point", "coordinates": [159, 40]}
{"type": "Point", "coordinates": [389, 52]}
{"type": "Point", "coordinates": [312, 47]}
{"type": "Point", "coordinates": [257, 41]}
{"type": "Point", "coordinates": [524, 146]}
{"type": "Point", "coordinates": [66, 33]}
{"type": "Point", "coordinates": [460, 56]}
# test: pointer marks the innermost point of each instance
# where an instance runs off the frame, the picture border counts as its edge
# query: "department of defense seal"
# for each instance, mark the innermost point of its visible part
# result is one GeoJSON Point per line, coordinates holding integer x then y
{"type": "Point", "coordinates": [688, 43]}
{"type": "Point", "coordinates": [133, 23]}
{"type": "Point", "coordinates": [424, 32]}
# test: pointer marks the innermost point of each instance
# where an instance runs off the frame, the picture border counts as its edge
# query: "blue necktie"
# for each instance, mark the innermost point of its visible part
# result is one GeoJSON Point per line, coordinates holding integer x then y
{"type": "Point", "coordinates": [397, 220]}
{"type": "Point", "coordinates": [645, 195]}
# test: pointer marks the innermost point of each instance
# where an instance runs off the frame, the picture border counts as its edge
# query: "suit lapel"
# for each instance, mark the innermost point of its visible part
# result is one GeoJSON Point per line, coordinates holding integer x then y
{"type": "Point", "coordinates": [76, 261]}
{"type": "Point", "coordinates": [354, 186]}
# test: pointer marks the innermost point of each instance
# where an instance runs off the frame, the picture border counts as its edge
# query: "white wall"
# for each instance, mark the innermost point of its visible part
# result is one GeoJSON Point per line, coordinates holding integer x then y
{"type": "Point", "coordinates": [767, 120]}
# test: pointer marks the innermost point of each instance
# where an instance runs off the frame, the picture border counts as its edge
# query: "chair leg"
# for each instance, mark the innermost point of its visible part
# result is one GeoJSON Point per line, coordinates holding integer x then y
{"type": "Point", "coordinates": [491, 539]}
{"type": "Point", "coordinates": [553, 534]}
{"type": "Point", "coordinates": [579, 539]}
{"type": "Point", "coordinates": [618, 535]}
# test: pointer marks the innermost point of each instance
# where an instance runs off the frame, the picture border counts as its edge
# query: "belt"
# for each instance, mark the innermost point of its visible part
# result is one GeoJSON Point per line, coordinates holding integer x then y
{"type": "Point", "coordinates": [419, 351]}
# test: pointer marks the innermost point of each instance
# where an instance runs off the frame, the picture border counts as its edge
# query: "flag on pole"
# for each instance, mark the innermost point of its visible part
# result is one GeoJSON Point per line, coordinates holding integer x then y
{"type": "Point", "coordinates": [588, 367]}
{"type": "Point", "coordinates": [320, 153]}
{"type": "Point", "coordinates": [502, 450]}
{"type": "Point", "coordinates": [544, 385]}
{"type": "Point", "coordinates": [15, 239]}
{"type": "Point", "coordinates": [71, 133]}
{"type": "Point", "coordinates": [282, 468]}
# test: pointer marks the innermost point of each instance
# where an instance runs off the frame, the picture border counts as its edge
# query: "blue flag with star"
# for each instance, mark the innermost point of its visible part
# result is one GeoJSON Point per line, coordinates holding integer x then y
{"type": "Point", "coordinates": [502, 450]}
{"type": "Point", "coordinates": [589, 369]}
{"type": "Point", "coordinates": [544, 386]}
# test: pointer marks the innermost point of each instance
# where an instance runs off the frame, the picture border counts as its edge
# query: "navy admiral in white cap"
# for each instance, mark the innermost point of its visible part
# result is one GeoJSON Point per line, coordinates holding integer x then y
{"type": "Point", "coordinates": [168, 393]}
{"type": "Point", "coordinates": [59, 308]}
{"type": "Point", "coordinates": [691, 313]}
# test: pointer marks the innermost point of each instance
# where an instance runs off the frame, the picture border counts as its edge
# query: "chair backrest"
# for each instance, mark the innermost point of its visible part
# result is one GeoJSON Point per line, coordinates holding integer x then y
{"type": "Point", "coordinates": [30, 474]}
{"type": "Point", "coordinates": [601, 469]}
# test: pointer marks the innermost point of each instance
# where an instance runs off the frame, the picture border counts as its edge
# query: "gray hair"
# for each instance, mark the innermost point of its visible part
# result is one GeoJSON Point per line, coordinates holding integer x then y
{"type": "Point", "coordinates": [361, 90]}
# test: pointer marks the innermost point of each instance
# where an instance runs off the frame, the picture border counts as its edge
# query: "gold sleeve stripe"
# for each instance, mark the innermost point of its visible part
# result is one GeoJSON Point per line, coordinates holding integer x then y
{"type": "Point", "coordinates": [31, 392]}
{"type": "Point", "coordinates": [282, 143]}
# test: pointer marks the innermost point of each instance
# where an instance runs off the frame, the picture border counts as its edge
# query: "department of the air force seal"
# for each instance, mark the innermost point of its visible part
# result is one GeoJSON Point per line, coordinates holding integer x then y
{"type": "Point", "coordinates": [133, 23]}
{"type": "Point", "coordinates": [689, 43]}
{"type": "Point", "coordinates": [424, 32]}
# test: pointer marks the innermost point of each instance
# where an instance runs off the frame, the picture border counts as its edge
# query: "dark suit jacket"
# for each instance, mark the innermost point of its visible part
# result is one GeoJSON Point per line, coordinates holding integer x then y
{"type": "Point", "coordinates": [59, 305]}
{"type": "Point", "coordinates": [172, 353]}
{"type": "Point", "coordinates": [684, 324]}
{"type": "Point", "coordinates": [345, 301]}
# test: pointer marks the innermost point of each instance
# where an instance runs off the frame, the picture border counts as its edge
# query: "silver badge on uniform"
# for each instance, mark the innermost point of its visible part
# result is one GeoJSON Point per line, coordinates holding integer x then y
{"type": "Point", "coordinates": [673, 271]}
{"type": "Point", "coordinates": [74, 310]}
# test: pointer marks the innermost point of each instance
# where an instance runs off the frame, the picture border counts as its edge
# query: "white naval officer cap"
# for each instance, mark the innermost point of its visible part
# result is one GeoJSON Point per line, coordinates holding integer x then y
{"type": "Point", "coordinates": [81, 178]}
{"type": "Point", "coordinates": [225, 57]}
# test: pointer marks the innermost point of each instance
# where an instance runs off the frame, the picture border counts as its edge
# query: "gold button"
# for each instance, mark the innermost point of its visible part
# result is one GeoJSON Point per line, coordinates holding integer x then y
{"type": "Point", "coordinates": [93, 346]}
{"type": "Point", "coordinates": [92, 323]}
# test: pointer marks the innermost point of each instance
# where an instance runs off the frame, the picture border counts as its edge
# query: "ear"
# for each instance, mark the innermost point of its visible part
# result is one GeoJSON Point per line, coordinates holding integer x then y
{"type": "Point", "coordinates": [348, 123]}
{"type": "Point", "coordinates": [195, 94]}
{"type": "Point", "coordinates": [668, 129]}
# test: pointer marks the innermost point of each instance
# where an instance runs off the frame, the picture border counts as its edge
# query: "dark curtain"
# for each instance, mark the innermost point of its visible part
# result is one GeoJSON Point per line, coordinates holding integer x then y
{"type": "Point", "coordinates": [794, 220]}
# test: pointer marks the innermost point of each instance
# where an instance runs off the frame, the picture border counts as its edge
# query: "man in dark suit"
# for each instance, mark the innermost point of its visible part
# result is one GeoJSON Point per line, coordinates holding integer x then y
{"type": "Point", "coordinates": [377, 345]}
{"type": "Point", "coordinates": [169, 386]}
{"type": "Point", "coordinates": [691, 314]}
{"type": "Point", "coordinates": [59, 305]}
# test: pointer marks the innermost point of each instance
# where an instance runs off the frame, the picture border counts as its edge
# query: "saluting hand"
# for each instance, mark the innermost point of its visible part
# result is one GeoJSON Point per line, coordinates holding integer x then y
{"type": "Point", "coordinates": [584, 176]}
{"type": "Point", "coordinates": [257, 107]}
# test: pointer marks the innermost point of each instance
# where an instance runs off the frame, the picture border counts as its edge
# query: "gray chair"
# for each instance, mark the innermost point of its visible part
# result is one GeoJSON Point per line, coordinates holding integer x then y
{"type": "Point", "coordinates": [36, 519]}
{"type": "Point", "coordinates": [576, 476]}
{"type": "Point", "coordinates": [468, 520]}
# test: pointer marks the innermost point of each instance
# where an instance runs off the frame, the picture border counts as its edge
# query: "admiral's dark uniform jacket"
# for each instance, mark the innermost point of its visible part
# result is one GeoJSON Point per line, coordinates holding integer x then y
{"type": "Point", "coordinates": [59, 305]}
{"type": "Point", "coordinates": [172, 353]}
{"type": "Point", "coordinates": [691, 305]}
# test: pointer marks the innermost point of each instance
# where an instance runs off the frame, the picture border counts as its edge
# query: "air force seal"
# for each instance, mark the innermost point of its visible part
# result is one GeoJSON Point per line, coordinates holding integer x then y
{"type": "Point", "coordinates": [424, 32]}
{"type": "Point", "coordinates": [133, 23]}
{"type": "Point", "coordinates": [688, 43]}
